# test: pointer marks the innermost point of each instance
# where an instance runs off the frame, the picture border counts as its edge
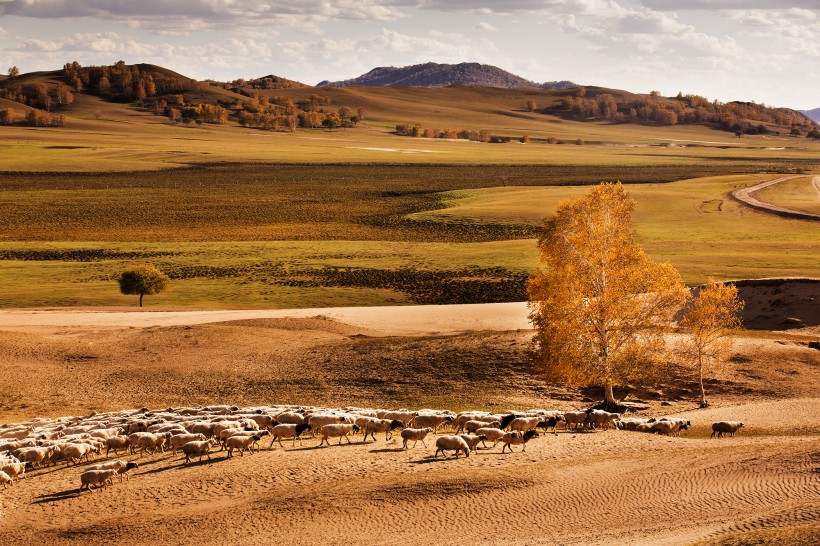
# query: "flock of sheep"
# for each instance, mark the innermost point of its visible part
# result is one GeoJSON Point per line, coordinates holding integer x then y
{"type": "Point", "coordinates": [196, 432]}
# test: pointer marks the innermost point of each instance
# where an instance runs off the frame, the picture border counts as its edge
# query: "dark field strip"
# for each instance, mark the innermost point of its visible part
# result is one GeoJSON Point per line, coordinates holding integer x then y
{"type": "Point", "coordinates": [256, 202]}
{"type": "Point", "coordinates": [77, 255]}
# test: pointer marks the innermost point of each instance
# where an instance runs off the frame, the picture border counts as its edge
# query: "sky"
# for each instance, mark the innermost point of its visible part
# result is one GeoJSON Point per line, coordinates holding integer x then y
{"type": "Point", "coordinates": [767, 51]}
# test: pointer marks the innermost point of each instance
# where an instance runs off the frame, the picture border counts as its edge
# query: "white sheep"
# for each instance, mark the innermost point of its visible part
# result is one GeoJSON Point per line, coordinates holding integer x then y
{"type": "Point", "coordinates": [114, 443]}
{"type": "Point", "coordinates": [337, 430]}
{"type": "Point", "coordinates": [15, 470]}
{"type": "Point", "coordinates": [198, 448]}
{"type": "Point", "coordinates": [491, 434]}
{"type": "Point", "coordinates": [516, 438]}
{"type": "Point", "coordinates": [452, 443]}
{"type": "Point", "coordinates": [97, 477]}
{"type": "Point", "coordinates": [288, 430]}
{"type": "Point", "coordinates": [291, 418]}
{"type": "Point", "coordinates": [577, 418]}
{"type": "Point", "coordinates": [241, 443]}
{"type": "Point", "coordinates": [416, 435]}
{"type": "Point", "coordinates": [401, 415]}
{"type": "Point", "coordinates": [179, 440]}
{"type": "Point", "coordinates": [523, 424]}
{"type": "Point", "coordinates": [73, 453]}
{"type": "Point", "coordinates": [381, 425]}
{"type": "Point", "coordinates": [729, 427]}
{"type": "Point", "coordinates": [473, 425]}
{"type": "Point", "coordinates": [5, 479]}
{"type": "Point", "coordinates": [602, 419]}
{"type": "Point", "coordinates": [472, 440]}
{"type": "Point", "coordinates": [431, 420]}
{"type": "Point", "coordinates": [122, 467]}
{"type": "Point", "coordinates": [152, 442]}
{"type": "Point", "coordinates": [319, 420]}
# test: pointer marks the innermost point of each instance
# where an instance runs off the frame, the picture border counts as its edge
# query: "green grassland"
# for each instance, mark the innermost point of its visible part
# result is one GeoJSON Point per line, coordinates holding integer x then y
{"type": "Point", "coordinates": [281, 236]}
{"type": "Point", "coordinates": [798, 194]}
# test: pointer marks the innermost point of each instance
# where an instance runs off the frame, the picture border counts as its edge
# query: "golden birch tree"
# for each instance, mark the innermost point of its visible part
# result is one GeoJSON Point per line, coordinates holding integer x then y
{"type": "Point", "coordinates": [709, 320]}
{"type": "Point", "coordinates": [600, 305]}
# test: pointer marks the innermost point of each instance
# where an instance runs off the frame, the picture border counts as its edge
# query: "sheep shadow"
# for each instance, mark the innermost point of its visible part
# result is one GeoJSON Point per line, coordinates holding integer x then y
{"type": "Point", "coordinates": [56, 497]}
{"type": "Point", "coordinates": [388, 450]}
{"type": "Point", "coordinates": [183, 464]}
{"type": "Point", "coordinates": [431, 459]}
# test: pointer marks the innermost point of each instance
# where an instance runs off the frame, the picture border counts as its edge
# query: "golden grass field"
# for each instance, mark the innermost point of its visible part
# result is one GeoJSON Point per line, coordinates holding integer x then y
{"type": "Point", "coordinates": [244, 219]}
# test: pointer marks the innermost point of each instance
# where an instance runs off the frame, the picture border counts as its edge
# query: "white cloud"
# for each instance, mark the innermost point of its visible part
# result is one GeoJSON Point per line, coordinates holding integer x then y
{"type": "Point", "coordinates": [192, 15]}
{"type": "Point", "coordinates": [483, 25]}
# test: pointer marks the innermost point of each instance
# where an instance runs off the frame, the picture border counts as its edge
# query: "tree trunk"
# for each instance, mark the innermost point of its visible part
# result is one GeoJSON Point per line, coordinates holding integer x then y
{"type": "Point", "coordinates": [140, 299]}
{"type": "Point", "coordinates": [609, 397]}
{"type": "Point", "coordinates": [703, 402]}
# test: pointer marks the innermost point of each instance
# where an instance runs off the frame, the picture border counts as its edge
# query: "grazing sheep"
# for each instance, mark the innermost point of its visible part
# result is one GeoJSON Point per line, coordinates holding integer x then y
{"type": "Point", "coordinates": [319, 420]}
{"type": "Point", "coordinates": [152, 442]}
{"type": "Point", "coordinates": [492, 434]}
{"type": "Point", "coordinates": [577, 418]}
{"type": "Point", "coordinates": [601, 419]}
{"type": "Point", "coordinates": [291, 418]}
{"type": "Point", "coordinates": [471, 426]}
{"type": "Point", "coordinates": [16, 433]}
{"type": "Point", "coordinates": [97, 477]}
{"type": "Point", "coordinates": [722, 427]}
{"type": "Point", "coordinates": [241, 443]}
{"type": "Point", "coordinates": [644, 427]}
{"type": "Point", "coordinates": [73, 453]}
{"type": "Point", "coordinates": [551, 422]}
{"type": "Point", "coordinates": [337, 430]}
{"type": "Point", "coordinates": [632, 423]}
{"type": "Point", "coordinates": [404, 416]}
{"type": "Point", "coordinates": [5, 479]}
{"type": "Point", "coordinates": [416, 435]}
{"type": "Point", "coordinates": [104, 433]}
{"type": "Point", "coordinates": [122, 467]}
{"type": "Point", "coordinates": [381, 425]}
{"type": "Point", "coordinates": [202, 427]}
{"type": "Point", "coordinates": [452, 443]}
{"type": "Point", "coordinates": [180, 440]}
{"type": "Point", "coordinates": [288, 430]}
{"type": "Point", "coordinates": [516, 438]}
{"type": "Point", "coordinates": [523, 424]}
{"type": "Point", "coordinates": [667, 428]}
{"type": "Point", "coordinates": [15, 470]}
{"type": "Point", "coordinates": [472, 440]}
{"type": "Point", "coordinates": [465, 416]}
{"type": "Point", "coordinates": [425, 420]}
{"type": "Point", "coordinates": [115, 443]}
{"type": "Point", "coordinates": [198, 448]}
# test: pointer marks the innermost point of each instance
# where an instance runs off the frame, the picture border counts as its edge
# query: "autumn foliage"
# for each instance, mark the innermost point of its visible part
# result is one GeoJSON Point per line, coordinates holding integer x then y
{"type": "Point", "coordinates": [600, 305]}
{"type": "Point", "coordinates": [709, 320]}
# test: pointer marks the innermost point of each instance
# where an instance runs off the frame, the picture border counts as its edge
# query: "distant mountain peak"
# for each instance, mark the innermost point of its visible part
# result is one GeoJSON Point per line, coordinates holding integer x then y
{"type": "Point", "coordinates": [813, 114]}
{"type": "Point", "coordinates": [443, 75]}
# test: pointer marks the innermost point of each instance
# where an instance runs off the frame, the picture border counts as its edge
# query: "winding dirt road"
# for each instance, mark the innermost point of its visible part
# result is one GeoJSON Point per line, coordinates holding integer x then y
{"type": "Point", "coordinates": [746, 196]}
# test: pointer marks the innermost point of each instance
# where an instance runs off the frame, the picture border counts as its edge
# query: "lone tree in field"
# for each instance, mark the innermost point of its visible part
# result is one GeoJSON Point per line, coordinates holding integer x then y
{"type": "Point", "coordinates": [600, 306]}
{"type": "Point", "coordinates": [142, 280]}
{"type": "Point", "coordinates": [709, 320]}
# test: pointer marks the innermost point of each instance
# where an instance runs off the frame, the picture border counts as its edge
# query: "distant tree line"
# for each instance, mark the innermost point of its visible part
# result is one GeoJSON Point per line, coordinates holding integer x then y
{"type": "Point", "coordinates": [739, 117]}
{"type": "Point", "coordinates": [121, 82]}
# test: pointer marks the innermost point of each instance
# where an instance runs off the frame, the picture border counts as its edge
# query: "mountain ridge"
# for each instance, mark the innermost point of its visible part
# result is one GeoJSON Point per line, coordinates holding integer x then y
{"type": "Point", "coordinates": [443, 75]}
{"type": "Point", "coordinates": [814, 114]}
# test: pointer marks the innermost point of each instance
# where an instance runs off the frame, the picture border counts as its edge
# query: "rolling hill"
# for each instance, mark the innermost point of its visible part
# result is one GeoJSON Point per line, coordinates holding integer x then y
{"type": "Point", "coordinates": [443, 75]}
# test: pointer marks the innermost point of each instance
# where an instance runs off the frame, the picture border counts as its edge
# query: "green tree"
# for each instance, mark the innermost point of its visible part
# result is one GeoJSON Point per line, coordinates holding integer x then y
{"type": "Point", "coordinates": [601, 306]}
{"type": "Point", "coordinates": [709, 320]}
{"type": "Point", "coordinates": [142, 280]}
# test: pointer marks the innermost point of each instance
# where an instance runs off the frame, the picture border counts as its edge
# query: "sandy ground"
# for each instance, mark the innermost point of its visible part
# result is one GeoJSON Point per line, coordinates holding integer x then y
{"type": "Point", "coordinates": [605, 487]}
